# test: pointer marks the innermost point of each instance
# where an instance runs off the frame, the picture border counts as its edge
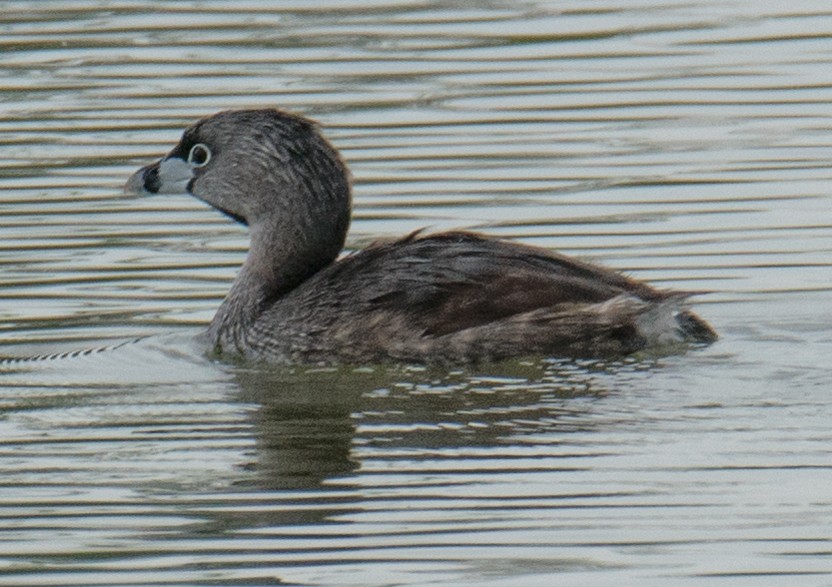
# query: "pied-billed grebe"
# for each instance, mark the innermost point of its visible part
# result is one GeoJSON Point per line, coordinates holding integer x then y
{"type": "Point", "coordinates": [450, 297]}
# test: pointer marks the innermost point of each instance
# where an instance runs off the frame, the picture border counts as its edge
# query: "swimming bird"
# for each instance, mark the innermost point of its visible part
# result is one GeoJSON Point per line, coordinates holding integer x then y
{"type": "Point", "coordinates": [449, 297]}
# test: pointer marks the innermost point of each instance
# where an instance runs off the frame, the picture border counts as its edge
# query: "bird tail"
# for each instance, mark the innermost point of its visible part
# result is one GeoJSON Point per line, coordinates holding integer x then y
{"type": "Point", "coordinates": [668, 321]}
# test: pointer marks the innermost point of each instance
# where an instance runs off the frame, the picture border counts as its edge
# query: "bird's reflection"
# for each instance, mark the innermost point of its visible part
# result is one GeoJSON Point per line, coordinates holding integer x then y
{"type": "Point", "coordinates": [317, 425]}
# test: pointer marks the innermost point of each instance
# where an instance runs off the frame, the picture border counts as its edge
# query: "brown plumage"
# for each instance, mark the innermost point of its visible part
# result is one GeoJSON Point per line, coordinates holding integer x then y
{"type": "Point", "coordinates": [451, 297]}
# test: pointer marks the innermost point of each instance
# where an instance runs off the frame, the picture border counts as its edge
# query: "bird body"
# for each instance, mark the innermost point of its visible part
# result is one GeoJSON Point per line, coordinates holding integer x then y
{"type": "Point", "coordinates": [450, 297]}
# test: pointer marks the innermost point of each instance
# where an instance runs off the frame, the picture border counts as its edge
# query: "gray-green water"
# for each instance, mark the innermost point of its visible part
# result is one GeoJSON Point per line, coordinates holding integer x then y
{"type": "Point", "coordinates": [685, 142]}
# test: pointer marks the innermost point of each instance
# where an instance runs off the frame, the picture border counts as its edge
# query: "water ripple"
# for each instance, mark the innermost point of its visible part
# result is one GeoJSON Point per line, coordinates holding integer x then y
{"type": "Point", "coordinates": [683, 142]}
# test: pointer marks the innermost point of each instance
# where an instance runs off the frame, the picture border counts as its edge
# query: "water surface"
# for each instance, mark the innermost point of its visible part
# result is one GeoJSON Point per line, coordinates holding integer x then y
{"type": "Point", "coordinates": [686, 143]}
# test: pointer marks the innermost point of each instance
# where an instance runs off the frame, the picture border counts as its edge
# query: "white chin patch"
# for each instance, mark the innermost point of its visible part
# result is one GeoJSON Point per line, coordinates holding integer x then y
{"type": "Point", "coordinates": [174, 176]}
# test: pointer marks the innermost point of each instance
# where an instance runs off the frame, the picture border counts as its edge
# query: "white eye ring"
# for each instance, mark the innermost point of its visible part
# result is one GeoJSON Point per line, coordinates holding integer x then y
{"type": "Point", "coordinates": [199, 156]}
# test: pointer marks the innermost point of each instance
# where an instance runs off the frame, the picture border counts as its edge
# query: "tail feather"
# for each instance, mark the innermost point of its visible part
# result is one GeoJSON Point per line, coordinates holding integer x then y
{"type": "Point", "coordinates": [694, 328]}
{"type": "Point", "coordinates": [669, 322]}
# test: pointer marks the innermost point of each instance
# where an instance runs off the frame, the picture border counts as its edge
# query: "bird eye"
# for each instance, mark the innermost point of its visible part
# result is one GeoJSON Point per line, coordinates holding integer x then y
{"type": "Point", "coordinates": [199, 156]}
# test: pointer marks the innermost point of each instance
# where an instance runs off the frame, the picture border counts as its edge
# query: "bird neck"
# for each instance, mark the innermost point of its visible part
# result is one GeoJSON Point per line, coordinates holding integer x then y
{"type": "Point", "coordinates": [279, 260]}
